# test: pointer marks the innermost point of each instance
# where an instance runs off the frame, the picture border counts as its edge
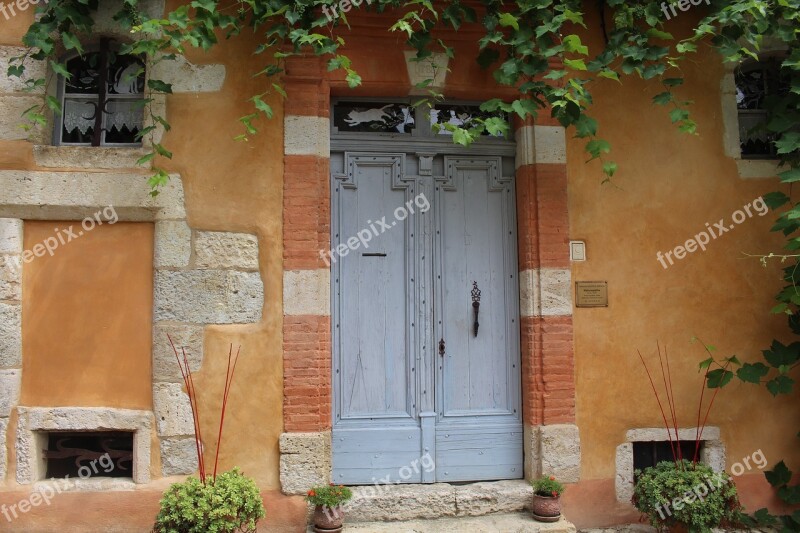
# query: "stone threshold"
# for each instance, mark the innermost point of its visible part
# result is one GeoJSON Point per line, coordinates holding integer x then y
{"type": "Point", "coordinates": [496, 523]}
{"type": "Point", "coordinates": [380, 503]}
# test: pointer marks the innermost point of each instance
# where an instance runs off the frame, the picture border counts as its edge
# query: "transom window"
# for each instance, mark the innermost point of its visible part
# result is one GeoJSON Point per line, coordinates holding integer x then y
{"type": "Point", "coordinates": [758, 82]}
{"type": "Point", "coordinates": [102, 100]}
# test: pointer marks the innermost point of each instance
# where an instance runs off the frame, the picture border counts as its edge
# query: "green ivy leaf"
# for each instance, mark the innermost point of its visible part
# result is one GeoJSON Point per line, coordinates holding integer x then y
{"type": "Point", "coordinates": [780, 385]}
{"type": "Point", "coordinates": [575, 64]}
{"type": "Point", "coordinates": [663, 98]}
{"type": "Point", "coordinates": [719, 378]}
{"type": "Point", "coordinates": [779, 476]}
{"type": "Point", "coordinates": [779, 355]}
{"type": "Point", "coordinates": [752, 372]}
{"type": "Point", "coordinates": [609, 168]}
{"type": "Point", "coordinates": [160, 86]}
{"type": "Point", "coordinates": [572, 43]}
{"type": "Point", "coordinates": [677, 115]}
{"type": "Point", "coordinates": [595, 147]}
{"type": "Point", "coordinates": [507, 19]}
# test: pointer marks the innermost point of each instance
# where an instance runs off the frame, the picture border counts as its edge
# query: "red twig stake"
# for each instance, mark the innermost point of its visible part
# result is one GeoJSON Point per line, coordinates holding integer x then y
{"type": "Point", "coordinates": [660, 406]}
{"type": "Point", "coordinates": [191, 391]}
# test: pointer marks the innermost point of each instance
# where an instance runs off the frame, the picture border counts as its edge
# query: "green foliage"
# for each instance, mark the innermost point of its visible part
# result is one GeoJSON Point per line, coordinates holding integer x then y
{"type": "Point", "coordinates": [547, 486]}
{"type": "Point", "coordinates": [329, 495]}
{"type": "Point", "coordinates": [231, 504]}
{"type": "Point", "coordinates": [671, 493]}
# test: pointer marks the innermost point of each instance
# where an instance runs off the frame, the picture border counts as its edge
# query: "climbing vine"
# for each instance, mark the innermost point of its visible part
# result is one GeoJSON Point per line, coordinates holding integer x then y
{"type": "Point", "coordinates": [533, 46]}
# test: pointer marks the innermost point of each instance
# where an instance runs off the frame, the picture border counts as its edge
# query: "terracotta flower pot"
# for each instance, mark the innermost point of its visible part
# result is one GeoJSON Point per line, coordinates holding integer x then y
{"type": "Point", "coordinates": [546, 508]}
{"type": "Point", "coordinates": [328, 518]}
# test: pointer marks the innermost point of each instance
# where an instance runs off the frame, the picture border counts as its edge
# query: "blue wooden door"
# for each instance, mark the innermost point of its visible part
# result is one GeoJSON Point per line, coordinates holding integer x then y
{"type": "Point", "coordinates": [410, 236]}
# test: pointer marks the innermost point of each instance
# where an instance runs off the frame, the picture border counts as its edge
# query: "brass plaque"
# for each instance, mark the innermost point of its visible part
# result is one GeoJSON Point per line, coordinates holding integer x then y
{"type": "Point", "coordinates": [591, 294]}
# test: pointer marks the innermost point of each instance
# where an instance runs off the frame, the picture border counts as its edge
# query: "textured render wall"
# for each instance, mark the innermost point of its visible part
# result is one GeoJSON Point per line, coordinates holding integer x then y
{"type": "Point", "coordinates": [232, 202]}
{"type": "Point", "coordinates": [668, 186]}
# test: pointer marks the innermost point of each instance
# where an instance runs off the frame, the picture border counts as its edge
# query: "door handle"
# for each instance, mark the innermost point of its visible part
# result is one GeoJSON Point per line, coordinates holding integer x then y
{"type": "Point", "coordinates": [441, 347]}
{"type": "Point", "coordinates": [476, 306]}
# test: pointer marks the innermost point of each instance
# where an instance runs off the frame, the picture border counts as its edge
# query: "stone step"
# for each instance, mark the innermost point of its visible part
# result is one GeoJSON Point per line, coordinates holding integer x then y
{"type": "Point", "coordinates": [493, 523]}
{"type": "Point", "coordinates": [389, 502]}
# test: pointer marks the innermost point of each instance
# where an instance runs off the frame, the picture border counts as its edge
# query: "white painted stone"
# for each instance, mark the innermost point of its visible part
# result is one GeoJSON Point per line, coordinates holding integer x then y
{"type": "Point", "coordinates": [307, 292]}
{"type": "Point", "coordinates": [172, 410]}
{"type": "Point", "coordinates": [560, 449]}
{"type": "Point", "coordinates": [91, 157]}
{"type": "Point", "coordinates": [173, 244]}
{"type": "Point", "coordinates": [545, 292]}
{"type": "Point", "coordinates": [75, 195]}
{"type": "Point", "coordinates": [10, 381]}
{"type": "Point", "coordinates": [178, 456]}
{"type": "Point", "coordinates": [10, 277]}
{"type": "Point", "coordinates": [10, 335]}
{"type": "Point", "coordinates": [434, 68]}
{"type": "Point", "coordinates": [730, 113]}
{"type": "Point", "coordinates": [225, 250]}
{"type": "Point", "coordinates": [34, 422]}
{"type": "Point", "coordinates": [540, 144]}
{"type": "Point", "coordinates": [305, 461]}
{"type": "Point", "coordinates": [556, 293]}
{"type": "Point", "coordinates": [496, 523]}
{"type": "Point", "coordinates": [189, 337]}
{"type": "Point", "coordinates": [660, 434]}
{"type": "Point", "coordinates": [759, 168]}
{"type": "Point", "coordinates": [186, 77]}
{"type": "Point", "coordinates": [208, 296]}
{"type": "Point", "coordinates": [713, 454]}
{"type": "Point", "coordinates": [97, 483]}
{"type": "Point", "coordinates": [623, 480]}
{"type": "Point", "coordinates": [304, 135]}
{"type": "Point", "coordinates": [3, 453]}
{"type": "Point", "coordinates": [478, 499]}
{"type": "Point", "coordinates": [11, 120]}
{"type": "Point", "coordinates": [401, 502]}
{"type": "Point", "coordinates": [33, 70]}
{"type": "Point", "coordinates": [10, 236]}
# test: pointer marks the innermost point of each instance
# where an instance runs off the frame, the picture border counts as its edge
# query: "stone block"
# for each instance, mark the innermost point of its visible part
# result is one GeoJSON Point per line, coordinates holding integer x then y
{"type": "Point", "coordinates": [178, 456]}
{"type": "Point", "coordinates": [10, 236]}
{"type": "Point", "coordinates": [173, 244]}
{"type": "Point", "coordinates": [401, 502]}
{"type": "Point", "coordinates": [186, 77]}
{"type": "Point", "coordinates": [172, 410]}
{"type": "Point", "coordinates": [208, 296]}
{"type": "Point", "coordinates": [560, 452]}
{"type": "Point", "coordinates": [226, 251]}
{"type": "Point", "coordinates": [189, 337]}
{"type": "Point", "coordinates": [305, 461]}
{"type": "Point", "coordinates": [623, 480]}
{"type": "Point", "coordinates": [10, 381]}
{"type": "Point", "coordinates": [478, 499]}
{"type": "Point", "coordinates": [3, 453]}
{"type": "Point", "coordinates": [10, 277]}
{"type": "Point", "coordinates": [10, 335]}
{"type": "Point", "coordinates": [11, 120]}
{"type": "Point", "coordinates": [33, 70]}
{"type": "Point", "coordinates": [307, 292]}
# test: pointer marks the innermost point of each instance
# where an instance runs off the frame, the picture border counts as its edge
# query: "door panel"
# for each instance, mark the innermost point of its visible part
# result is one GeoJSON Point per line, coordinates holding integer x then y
{"type": "Point", "coordinates": [478, 433]}
{"type": "Point", "coordinates": [374, 372]}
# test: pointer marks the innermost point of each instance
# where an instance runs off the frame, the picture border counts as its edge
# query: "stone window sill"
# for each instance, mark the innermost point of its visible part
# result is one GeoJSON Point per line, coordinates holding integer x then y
{"type": "Point", "coordinates": [758, 168]}
{"type": "Point", "coordinates": [88, 157]}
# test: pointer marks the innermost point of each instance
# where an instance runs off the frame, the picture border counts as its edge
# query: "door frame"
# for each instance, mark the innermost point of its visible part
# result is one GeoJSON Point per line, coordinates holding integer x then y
{"type": "Point", "coordinates": [552, 440]}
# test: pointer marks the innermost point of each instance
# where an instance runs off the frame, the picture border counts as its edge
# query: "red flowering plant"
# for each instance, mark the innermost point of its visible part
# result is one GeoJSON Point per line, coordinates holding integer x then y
{"type": "Point", "coordinates": [329, 495]}
{"type": "Point", "coordinates": [547, 486]}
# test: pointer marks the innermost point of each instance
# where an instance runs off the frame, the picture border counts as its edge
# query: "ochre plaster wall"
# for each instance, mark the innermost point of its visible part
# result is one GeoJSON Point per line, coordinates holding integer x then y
{"type": "Point", "coordinates": [87, 315]}
{"type": "Point", "coordinates": [668, 186]}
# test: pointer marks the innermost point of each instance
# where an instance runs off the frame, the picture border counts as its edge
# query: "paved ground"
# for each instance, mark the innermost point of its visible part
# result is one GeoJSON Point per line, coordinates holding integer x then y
{"type": "Point", "coordinates": [498, 523]}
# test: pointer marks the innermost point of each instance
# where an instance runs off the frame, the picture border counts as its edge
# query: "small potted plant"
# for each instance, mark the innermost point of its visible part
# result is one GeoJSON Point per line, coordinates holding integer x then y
{"type": "Point", "coordinates": [547, 499]}
{"type": "Point", "coordinates": [328, 511]}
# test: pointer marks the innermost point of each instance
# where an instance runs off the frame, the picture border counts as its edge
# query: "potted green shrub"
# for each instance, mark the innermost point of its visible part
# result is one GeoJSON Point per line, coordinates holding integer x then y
{"type": "Point", "coordinates": [547, 499]}
{"type": "Point", "coordinates": [226, 503]}
{"type": "Point", "coordinates": [328, 501]}
{"type": "Point", "coordinates": [686, 496]}
{"type": "Point", "coordinates": [231, 503]}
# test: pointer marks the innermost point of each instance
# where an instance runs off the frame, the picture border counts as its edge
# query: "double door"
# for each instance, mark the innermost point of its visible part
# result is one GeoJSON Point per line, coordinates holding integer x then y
{"type": "Point", "coordinates": [426, 365]}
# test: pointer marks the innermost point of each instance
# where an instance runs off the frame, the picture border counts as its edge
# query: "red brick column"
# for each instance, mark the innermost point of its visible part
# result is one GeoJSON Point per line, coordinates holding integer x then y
{"type": "Point", "coordinates": [306, 232]}
{"type": "Point", "coordinates": [548, 368]}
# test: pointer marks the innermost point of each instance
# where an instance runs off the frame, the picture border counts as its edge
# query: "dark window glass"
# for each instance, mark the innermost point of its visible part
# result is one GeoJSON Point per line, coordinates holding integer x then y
{"type": "Point", "coordinates": [756, 84]}
{"type": "Point", "coordinates": [103, 454]}
{"type": "Point", "coordinates": [373, 117]}
{"type": "Point", "coordinates": [646, 454]}
{"type": "Point", "coordinates": [119, 104]}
